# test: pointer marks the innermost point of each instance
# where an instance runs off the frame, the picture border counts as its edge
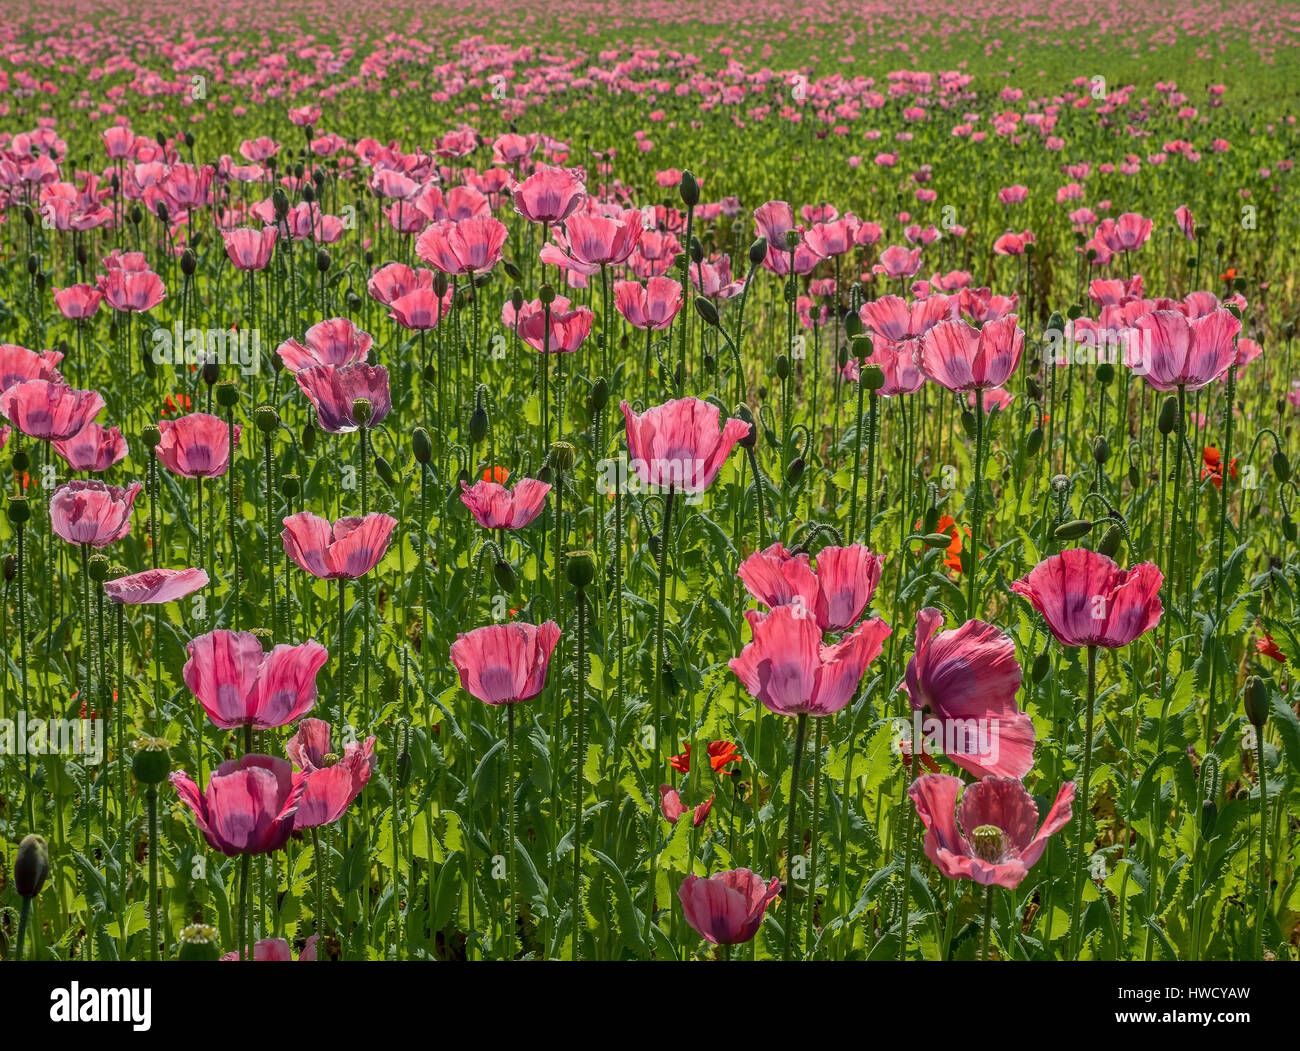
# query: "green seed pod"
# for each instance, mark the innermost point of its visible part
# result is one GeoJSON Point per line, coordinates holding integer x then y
{"type": "Point", "coordinates": [872, 377]}
{"type": "Point", "coordinates": [1281, 466]}
{"type": "Point", "coordinates": [580, 568]}
{"type": "Point", "coordinates": [266, 418]}
{"type": "Point", "coordinates": [198, 942]}
{"type": "Point", "coordinates": [1034, 442]}
{"type": "Point", "coordinates": [421, 445]}
{"type": "Point", "coordinates": [18, 510]}
{"type": "Point", "coordinates": [504, 574]}
{"type": "Point", "coordinates": [1105, 373]}
{"type": "Point", "coordinates": [31, 866]}
{"type": "Point", "coordinates": [290, 485]}
{"type": "Point", "coordinates": [361, 410]}
{"type": "Point", "coordinates": [227, 394]}
{"type": "Point", "coordinates": [1256, 701]}
{"type": "Point", "coordinates": [563, 455]}
{"type": "Point", "coordinates": [1168, 416]}
{"type": "Point", "coordinates": [150, 760]}
{"type": "Point", "coordinates": [1072, 530]}
{"type": "Point", "coordinates": [795, 470]}
{"type": "Point", "coordinates": [546, 294]}
{"type": "Point", "coordinates": [1042, 664]}
{"type": "Point", "coordinates": [689, 188]}
{"type": "Point", "coordinates": [1110, 541]}
{"type": "Point", "coordinates": [97, 567]}
{"type": "Point", "coordinates": [1100, 449]}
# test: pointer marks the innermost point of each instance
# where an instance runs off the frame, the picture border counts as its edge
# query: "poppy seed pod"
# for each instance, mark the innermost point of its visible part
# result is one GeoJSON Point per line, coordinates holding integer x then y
{"type": "Point", "coordinates": [97, 567]}
{"type": "Point", "coordinates": [266, 418]}
{"type": "Point", "coordinates": [1072, 530]}
{"type": "Point", "coordinates": [150, 760]}
{"type": "Point", "coordinates": [689, 190]}
{"type": "Point", "coordinates": [1256, 701]}
{"type": "Point", "coordinates": [227, 394]}
{"type": "Point", "coordinates": [31, 866]}
{"type": "Point", "coordinates": [580, 568]}
{"type": "Point", "coordinates": [361, 410]}
{"type": "Point", "coordinates": [562, 456]}
{"type": "Point", "coordinates": [421, 445]}
{"type": "Point", "coordinates": [18, 510]}
{"type": "Point", "coordinates": [546, 294]}
{"type": "Point", "coordinates": [198, 942]}
{"type": "Point", "coordinates": [873, 377]}
{"type": "Point", "coordinates": [21, 460]}
{"type": "Point", "coordinates": [1168, 416]}
{"type": "Point", "coordinates": [290, 485]}
{"type": "Point", "coordinates": [795, 471]}
{"type": "Point", "coordinates": [1105, 373]}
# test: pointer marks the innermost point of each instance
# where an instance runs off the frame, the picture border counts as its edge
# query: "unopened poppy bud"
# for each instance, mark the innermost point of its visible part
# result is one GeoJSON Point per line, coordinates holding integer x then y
{"type": "Point", "coordinates": [544, 473]}
{"type": "Point", "coordinates": [513, 272]}
{"type": "Point", "coordinates": [478, 424]}
{"type": "Point", "coordinates": [749, 440]}
{"type": "Point", "coordinates": [31, 866]}
{"type": "Point", "coordinates": [936, 539]}
{"type": "Point", "coordinates": [1281, 466]}
{"type": "Point", "coordinates": [198, 942]}
{"type": "Point", "coordinates": [1055, 323]}
{"type": "Point", "coordinates": [968, 423]}
{"type": "Point", "coordinates": [266, 418]}
{"type": "Point", "coordinates": [1034, 442]}
{"type": "Point", "coordinates": [227, 394]}
{"type": "Point", "coordinates": [697, 251]}
{"type": "Point", "coordinates": [689, 189]}
{"type": "Point", "coordinates": [1256, 701]}
{"type": "Point", "coordinates": [1060, 482]}
{"type": "Point", "coordinates": [421, 445]}
{"type": "Point", "coordinates": [97, 567]}
{"type": "Point", "coordinates": [562, 455]}
{"type": "Point", "coordinates": [1168, 416]}
{"type": "Point", "coordinates": [1100, 449]}
{"type": "Point", "coordinates": [931, 521]}
{"type": "Point", "coordinates": [852, 324]}
{"type": "Point", "coordinates": [308, 438]}
{"type": "Point", "coordinates": [758, 251]}
{"type": "Point", "coordinates": [361, 410]}
{"type": "Point", "coordinates": [150, 760]}
{"type": "Point", "coordinates": [1110, 541]}
{"type": "Point", "coordinates": [1209, 817]}
{"type": "Point", "coordinates": [504, 574]}
{"type": "Point", "coordinates": [385, 471]}
{"type": "Point", "coordinates": [782, 367]}
{"type": "Point", "coordinates": [18, 510]}
{"type": "Point", "coordinates": [10, 567]}
{"type": "Point", "coordinates": [160, 210]}
{"type": "Point", "coordinates": [1134, 475]}
{"type": "Point", "coordinates": [280, 201]}
{"type": "Point", "coordinates": [599, 394]}
{"type": "Point", "coordinates": [189, 262]}
{"type": "Point", "coordinates": [517, 299]}
{"type": "Point", "coordinates": [580, 568]}
{"type": "Point", "coordinates": [795, 470]}
{"type": "Point", "coordinates": [1072, 530]}
{"type": "Point", "coordinates": [322, 260]}
{"type": "Point", "coordinates": [707, 311]}
{"type": "Point", "coordinates": [1033, 388]}
{"type": "Point", "coordinates": [1042, 663]}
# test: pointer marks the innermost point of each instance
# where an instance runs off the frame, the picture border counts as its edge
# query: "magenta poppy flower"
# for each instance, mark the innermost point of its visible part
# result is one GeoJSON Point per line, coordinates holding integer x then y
{"type": "Point", "coordinates": [133, 291]}
{"type": "Point", "coordinates": [990, 837]}
{"type": "Point", "coordinates": [154, 587]}
{"type": "Point", "coordinates": [239, 685]}
{"type": "Point", "coordinates": [49, 410]}
{"type": "Point", "coordinates": [496, 507]}
{"type": "Point", "coordinates": [335, 389]}
{"type": "Point", "coordinates": [650, 306]}
{"type": "Point", "coordinates": [679, 445]}
{"type": "Point", "coordinates": [549, 195]}
{"type": "Point", "coordinates": [250, 249]}
{"type": "Point", "coordinates": [196, 445]}
{"type": "Point", "coordinates": [334, 342]}
{"type": "Point", "coordinates": [470, 246]}
{"type": "Point", "coordinates": [962, 358]}
{"type": "Point", "coordinates": [249, 805]}
{"type": "Point", "coordinates": [505, 663]}
{"type": "Point", "coordinates": [790, 670]}
{"type": "Point", "coordinates": [726, 908]}
{"type": "Point", "coordinates": [835, 594]}
{"type": "Point", "coordinates": [94, 448]}
{"type": "Point", "coordinates": [333, 781]}
{"type": "Point", "coordinates": [568, 328]}
{"type": "Point", "coordinates": [672, 807]}
{"type": "Point", "coordinates": [346, 550]}
{"type": "Point", "coordinates": [967, 679]}
{"type": "Point", "coordinates": [1087, 600]}
{"type": "Point", "coordinates": [91, 512]}
{"type": "Point", "coordinates": [1173, 351]}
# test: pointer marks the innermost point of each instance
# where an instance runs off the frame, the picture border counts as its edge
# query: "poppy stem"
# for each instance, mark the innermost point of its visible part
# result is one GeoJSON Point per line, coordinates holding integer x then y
{"type": "Point", "coordinates": [908, 837]}
{"type": "Point", "coordinates": [988, 921]}
{"type": "Point", "coordinates": [665, 535]}
{"type": "Point", "coordinates": [800, 734]}
{"type": "Point", "coordinates": [322, 952]}
{"type": "Point", "coordinates": [977, 507]}
{"type": "Point", "coordinates": [510, 826]}
{"type": "Point", "coordinates": [151, 800]}
{"type": "Point", "coordinates": [245, 945]}
{"type": "Point", "coordinates": [1080, 861]}
{"type": "Point", "coordinates": [579, 695]}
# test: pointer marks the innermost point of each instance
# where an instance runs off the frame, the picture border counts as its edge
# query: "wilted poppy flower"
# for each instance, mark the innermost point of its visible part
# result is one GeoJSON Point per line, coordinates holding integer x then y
{"type": "Point", "coordinates": [496, 507]}
{"type": "Point", "coordinates": [249, 805]}
{"type": "Point", "coordinates": [790, 670]}
{"type": "Point", "coordinates": [346, 550]}
{"type": "Point", "coordinates": [336, 341]}
{"type": "Point", "coordinates": [239, 685]}
{"type": "Point", "coordinates": [1267, 647]}
{"type": "Point", "coordinates": [1172, 351]}
{"type": "Point", "coordinates": [672, 807]}
{"type": "Point", "coordinates": [679, 445]}
{"type": "Point", "coordinates": [196, 446]}
{"type": "Point", "coordinates": [335, 389]}
{"type": "Point", "coordinates": [967, 679]}
{"type": "Point", "coordinates": [990, 838]}
{"type": "Point", "coordinates": [49, 410]}
{"type": "Point", "coordinates": [333, 781]}
{"type": "Point", "coordinates": [91, 512]}
{"type": "Point", "coordinates": [962, 358]}
{"type": "Point", "coordinates": [153, 587]}
{"type": "Point", "coordinates": [93, 448]}
{"type": "Point", "coordinates": [1087, 600]}
{"type": "Point", "coordinates": [726, 908]}
{"type": "Point", "coordinates": [505, 663]}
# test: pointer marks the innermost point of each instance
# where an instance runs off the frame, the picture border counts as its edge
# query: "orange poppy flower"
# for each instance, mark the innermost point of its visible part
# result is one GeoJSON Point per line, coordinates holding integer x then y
{"type": "Point", "coordinates": [496, 474]}
{"type": "Point", "coordinates": [952, 554]}
{"type": "Point", "coordinates": [721, 753]}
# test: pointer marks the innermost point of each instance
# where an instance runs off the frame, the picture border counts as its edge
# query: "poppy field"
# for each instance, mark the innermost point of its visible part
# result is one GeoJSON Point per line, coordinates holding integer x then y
{"type": "Point", "coordinates": [649, 481]}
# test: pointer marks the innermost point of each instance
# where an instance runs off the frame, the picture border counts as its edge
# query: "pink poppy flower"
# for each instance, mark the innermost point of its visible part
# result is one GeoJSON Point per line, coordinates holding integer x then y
{"type": "Point", "coordinates": [895, 319]}
{"type": "Point", "coordinates": [496, 507]}
{"type": "Point", "coordinates": [78, 302]}
{"type": "Point", "coordinates": [249, 805]}
{"type": "Point", "coordinates": [1186, 221]}
{"type": "Point", "coordinates": [897, 262]}
{"type": "Point", "coordinates": [962, 358]}
{"type": "Point", "coordinates": [967, 679]}
{"type": "Point", "coordinates": [18, 364]}
{"type": "Point", "coordinates": [549, 195]}
{"type": "Point", "coordinates": [1172, 351]}
{"type": "Point", "coordinates": [726, 908]}
{"type": "Point", "coordinates": [333, 781]}
{"type": "Point", "coordinates": [790, 670]}
{"type": "Point", "coordinates": [568, 328]}
{"type": "Point", "coordinates": [678, 445]}
{"type": "Point", "coordinates": [1126, 234]}
{"type": "Point", "coordinates": [1087, 600]}
{"type": "Point", "coordinates": [470, 246]}
{"type": "Point", "coordinates": [896, 360]}
{"type": "Point", "coordinates": [651, 306]}
{"type": "Point", "coordinates": [91, 512]}
{"type": "Point", "coordinates": [250, 249]}
{"type": "Point", "coordinates": [239, 685]}
{"type": "Point", "coordinates": [505, 663]}
{"type": "Point", "coordinates": [154, 587]}
{"type": "Point", "coordinates": [420, 310]}
{"type": "Point", "coordinates": [594, 241]}
{"type": "Point", "coordinates": [672, 807]}
{"type": "Point", "coordinates": [396, 280]}
{"type": "Point", "coordinates": [196, 445]}
{"type": "Point", "coordinates": [276, 950]}
{"type": "Point", "coordinates": [93, 448]}
{"type": "Point", "coordinates": [346, 550]}
{"type": "Point", "coordinates": [836, 594]}
{"type": "Point", "coordinates": [334, 342]}
{"type": "Point", "coordinates": [133, 291]}
{"type": "Point", "coordinates": [335, 389]}
{"type": "Point", "coordinates": [49, 410]}
{"type": "Point", "coordinates": [990, 837]}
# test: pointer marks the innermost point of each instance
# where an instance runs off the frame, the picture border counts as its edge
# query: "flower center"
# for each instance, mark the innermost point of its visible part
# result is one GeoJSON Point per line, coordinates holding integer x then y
{"type": "Point", "coordinates": [988, 842]}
